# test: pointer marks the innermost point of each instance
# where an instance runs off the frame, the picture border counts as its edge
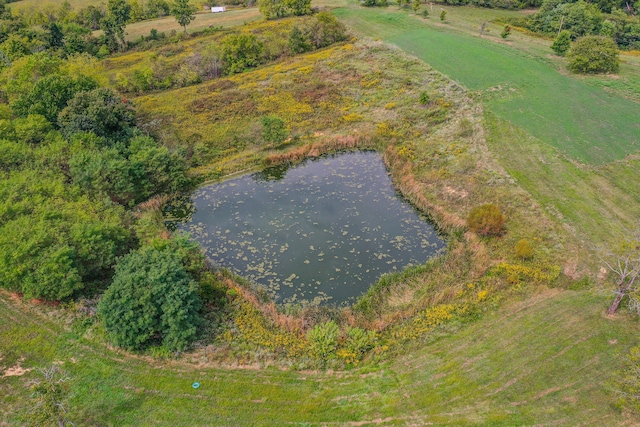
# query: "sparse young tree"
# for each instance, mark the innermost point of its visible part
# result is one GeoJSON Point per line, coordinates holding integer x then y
{"type": "Point", "coordinates": [183, 12]}
{"type": "Point", "coordinates": [562, 43]}
{"type": "Point", "coordinates": [506, 31]}
{"type": "Point", "coordinates": [118, 13]}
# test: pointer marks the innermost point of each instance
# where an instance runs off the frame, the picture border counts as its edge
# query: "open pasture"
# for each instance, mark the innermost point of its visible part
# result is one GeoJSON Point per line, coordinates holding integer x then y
{"type": "Point", "coordinates": [546, 360]}
{"type": "Point", "coordinates": [584, 122]}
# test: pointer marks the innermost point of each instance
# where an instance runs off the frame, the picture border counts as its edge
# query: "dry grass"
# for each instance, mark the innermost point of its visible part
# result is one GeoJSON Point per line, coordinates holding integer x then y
{"type": "Point", "coordinates": [231, 18]}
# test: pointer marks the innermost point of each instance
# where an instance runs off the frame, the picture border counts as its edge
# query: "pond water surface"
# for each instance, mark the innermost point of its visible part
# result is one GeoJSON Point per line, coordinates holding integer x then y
{"type": "Point", "coordinates": [325, 230]}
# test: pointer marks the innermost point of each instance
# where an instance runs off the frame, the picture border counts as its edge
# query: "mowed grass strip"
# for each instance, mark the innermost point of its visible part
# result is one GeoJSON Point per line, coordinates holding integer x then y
{"type": "Point", "coordinates": [599, 202]}
{"type": "Point", "coordinates": [550, 359]}
{"type": "Point", "coordinates": [583, 121]}
{"type": "Point", "coordinates": [112, 388]}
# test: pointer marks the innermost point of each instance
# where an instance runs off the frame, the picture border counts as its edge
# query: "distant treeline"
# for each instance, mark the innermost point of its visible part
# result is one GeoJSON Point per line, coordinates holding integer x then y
{"type": "Point", "coordinates": [611, 18]}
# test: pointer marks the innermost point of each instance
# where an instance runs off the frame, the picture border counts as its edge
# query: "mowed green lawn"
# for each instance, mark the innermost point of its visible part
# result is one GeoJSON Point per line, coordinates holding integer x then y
{"type": "Point", "coordinates": [581, 120]}
{"type": "Point", "coordinates": [549, 360]}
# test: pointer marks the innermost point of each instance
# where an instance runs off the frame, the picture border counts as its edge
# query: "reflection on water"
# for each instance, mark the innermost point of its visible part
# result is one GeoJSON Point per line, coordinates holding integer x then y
{"type": "Point", "coordinates": [322, 231]}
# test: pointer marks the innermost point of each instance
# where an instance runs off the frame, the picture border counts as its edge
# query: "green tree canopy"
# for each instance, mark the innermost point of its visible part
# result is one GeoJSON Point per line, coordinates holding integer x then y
{"type": "Point", "coordinates": [113, 24]}
{"type": "Point", "coordinates": [594, 54]}
{"type": "Point", "coordinates": [53, 240]}
{"type": "Point", "coordinates": [152, 300]}
{"type": "Point", "coordinates": [183, 12]}
{"type": "Point", "coordinates": [50, 94]}
{"type": "Point", "coordinates": [100, 111]}
{"type": "Point", "coordinates": [241, 51]}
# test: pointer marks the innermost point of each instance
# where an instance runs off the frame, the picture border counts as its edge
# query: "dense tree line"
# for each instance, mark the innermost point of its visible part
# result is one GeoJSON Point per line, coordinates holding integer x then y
{"type": "Point", "coordinates": [74, 169]}
{"type": "Point", "coordinates": [81, 185]}
{"type": "Point", "coordinates": [614, 19]}
{"type": "Point", "coordinates": [64, 31]}
{"type": "Point", "coordinates": [617, 19]}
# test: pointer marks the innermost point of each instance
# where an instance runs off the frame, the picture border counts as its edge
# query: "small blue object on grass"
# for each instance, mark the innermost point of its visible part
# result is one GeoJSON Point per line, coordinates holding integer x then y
{"type": "Point", "coordinates": [195, 385]}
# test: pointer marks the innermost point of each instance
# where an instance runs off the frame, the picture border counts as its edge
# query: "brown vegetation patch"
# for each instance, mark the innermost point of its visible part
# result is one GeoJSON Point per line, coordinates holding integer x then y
{"type": "Point", "coordinates": [17, 370]}
{"type": "Point", "coordinates": [229, 105]}
{"type": "Point", "coordinates": [220, 85]}
{"type": "Point", "coordinates": [298, 154]}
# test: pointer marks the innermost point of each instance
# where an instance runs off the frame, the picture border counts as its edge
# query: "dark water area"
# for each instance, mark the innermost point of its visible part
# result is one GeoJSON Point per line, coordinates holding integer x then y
{"type": "Point", "coordinates": [323, 231]}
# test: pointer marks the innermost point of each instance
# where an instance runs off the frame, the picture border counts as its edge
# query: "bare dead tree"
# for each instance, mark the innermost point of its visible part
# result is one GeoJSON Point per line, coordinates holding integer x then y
{"type": "Point", "coordinates": [49, 395]}
{"type": "Point", "coordinates": [624, 264]}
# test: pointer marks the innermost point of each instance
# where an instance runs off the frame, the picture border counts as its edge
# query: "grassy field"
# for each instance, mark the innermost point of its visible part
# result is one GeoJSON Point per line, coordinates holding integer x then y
{"type": "Point", "coordinates": [544, 361]}
{"type": "Point", "coordinates": [203, 20]}
{"type": "Point", "coordinates": [585, 122]}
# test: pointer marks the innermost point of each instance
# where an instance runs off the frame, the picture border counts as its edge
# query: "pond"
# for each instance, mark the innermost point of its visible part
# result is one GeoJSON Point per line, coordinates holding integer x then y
{"type": "Point", "coordinates": [323, 231]}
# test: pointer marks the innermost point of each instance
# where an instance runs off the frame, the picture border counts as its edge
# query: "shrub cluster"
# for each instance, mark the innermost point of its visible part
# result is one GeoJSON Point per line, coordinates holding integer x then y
{"type": "Point", "coordinates": [72, 165]}
{"type": "Point", "coordinates": [486, 220]}
{"type": "Point", "coordinates": [271, 9]}
{"type": "Point", "coordinates": [234, 53]}
{"type": "Point", "coordinates": [594, 54]}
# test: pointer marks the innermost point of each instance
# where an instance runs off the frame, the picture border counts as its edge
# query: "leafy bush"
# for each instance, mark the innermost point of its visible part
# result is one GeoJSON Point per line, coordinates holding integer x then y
{"type": "Point", "coordinates": [323, 340]}
{"type": "Point", "coordinates": [278, 8]}
{"type": "Point", "coordinates": [273, 129]}
{"type": "Point", "coordinates": [486, 220]}
{"type": "Point", "coordinates": [443, 15]}
{"type": "Point", "coordinates": [50, 95]}
{"type": "Point", "coordinates": [152, 300]}
{"type": "Point", "coordinates": [359, 341]}
{"type": "Point", "coordinates": [317, 32]}
{"type": "Point", "coordinates": [298, 42]}
{"type": "Point", "coordinates": [523, 249]}
{"type": "Point", "coordinates": [580, 18]}
{"type": "Point", "coordinates": [241, 51]}
{"type": "Point", "coordinates": [130, 175]}
{"type": "Point", "coordinates": [156, 169]}
{"type": "Point", "coordinates": [54, 240]}
{"type": "Point", "coordinates": [562, 43]}
{"type": "Point", "coordinates": [594, 54]}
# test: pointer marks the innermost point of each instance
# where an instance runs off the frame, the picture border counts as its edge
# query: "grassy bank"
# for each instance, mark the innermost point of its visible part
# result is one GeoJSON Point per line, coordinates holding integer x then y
{"type": "Point", "coordinates": [546, 360]}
